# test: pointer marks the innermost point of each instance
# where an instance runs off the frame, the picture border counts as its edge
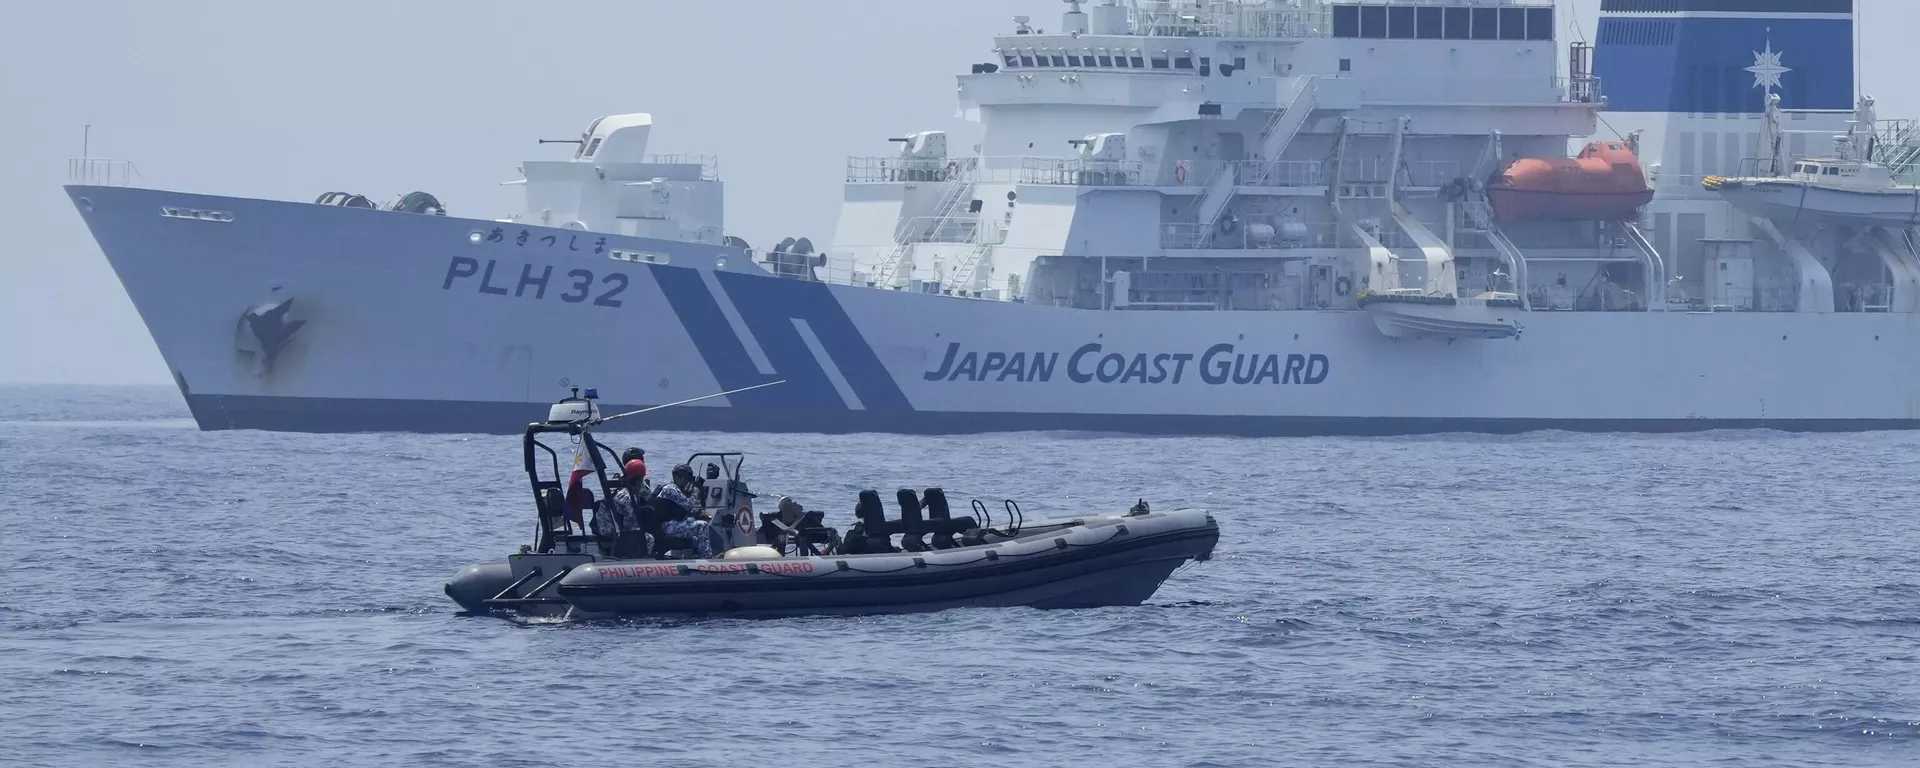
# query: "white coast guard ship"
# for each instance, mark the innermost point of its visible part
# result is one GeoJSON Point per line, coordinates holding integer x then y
{"type": "Point", "coordinates": [1215, 216]}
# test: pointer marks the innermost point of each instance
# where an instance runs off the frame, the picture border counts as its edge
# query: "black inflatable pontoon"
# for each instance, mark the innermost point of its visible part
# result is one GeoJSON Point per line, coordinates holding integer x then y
{"type": "Point", "coordinates": [926, 560]}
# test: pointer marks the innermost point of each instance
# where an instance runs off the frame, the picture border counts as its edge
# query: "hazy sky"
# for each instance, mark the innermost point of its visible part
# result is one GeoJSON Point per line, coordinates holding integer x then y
{"type": "Point", "coordinates": [285, 100]}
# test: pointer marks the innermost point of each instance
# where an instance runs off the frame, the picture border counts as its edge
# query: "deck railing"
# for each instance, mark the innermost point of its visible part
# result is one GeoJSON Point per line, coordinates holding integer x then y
{"type": "Point", "coordinates": [102, 172]}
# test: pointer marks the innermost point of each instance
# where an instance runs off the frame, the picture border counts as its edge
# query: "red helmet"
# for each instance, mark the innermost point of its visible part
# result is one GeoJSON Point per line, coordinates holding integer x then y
{"type": "Point", "coordinates": [635, 469]}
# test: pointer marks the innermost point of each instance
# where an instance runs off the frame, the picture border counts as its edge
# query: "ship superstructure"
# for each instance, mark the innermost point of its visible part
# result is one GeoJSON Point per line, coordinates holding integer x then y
{"type": "Point", "coordinates": [1301, 155]}
{"type": "Point", "coordinates": [1192, 216]}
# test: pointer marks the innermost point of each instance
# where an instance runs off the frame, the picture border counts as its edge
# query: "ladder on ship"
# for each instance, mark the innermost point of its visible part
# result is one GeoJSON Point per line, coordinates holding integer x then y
{"type": "Point", "coordinates": [987, 233]}
{"type": "Point", "coordinates": [970, 265]}
{"type": "Point", "coordinates": [1899, 151]}
{"type": "Point", "coordinates": [908, 234]}
{"type": "Point", "coordinates": [1278, 134]}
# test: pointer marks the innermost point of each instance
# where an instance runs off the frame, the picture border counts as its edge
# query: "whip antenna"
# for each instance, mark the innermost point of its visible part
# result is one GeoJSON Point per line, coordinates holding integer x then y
{"type": "Point", "coordinates": [600, 421]}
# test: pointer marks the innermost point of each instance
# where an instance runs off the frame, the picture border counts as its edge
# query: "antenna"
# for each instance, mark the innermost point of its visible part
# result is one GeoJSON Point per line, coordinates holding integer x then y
{"type": "Point", "coordinates": [684, 402]}
{"type": "Point", "coordinates": [86, 140]}
{"type": "Point", "coordinates": [562, 141]}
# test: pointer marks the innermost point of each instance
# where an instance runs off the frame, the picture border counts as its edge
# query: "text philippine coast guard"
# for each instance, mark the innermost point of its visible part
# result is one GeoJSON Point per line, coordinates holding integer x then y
{"type": "Point", "coordinates": [1094, 363]}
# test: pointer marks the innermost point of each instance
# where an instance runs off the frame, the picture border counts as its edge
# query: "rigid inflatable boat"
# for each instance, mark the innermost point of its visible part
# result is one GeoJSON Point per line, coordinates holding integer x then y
{"type": "Point", "coordinates": [926, 559]}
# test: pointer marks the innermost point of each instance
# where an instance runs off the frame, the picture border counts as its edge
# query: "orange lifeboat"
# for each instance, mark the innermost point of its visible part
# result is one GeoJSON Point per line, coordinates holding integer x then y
{"type": "Point", "coordinates": [1603, 182]}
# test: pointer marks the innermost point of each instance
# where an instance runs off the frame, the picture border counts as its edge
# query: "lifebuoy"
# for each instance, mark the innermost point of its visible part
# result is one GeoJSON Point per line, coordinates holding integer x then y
{"type": "Point", "coordinates": [1180, 172]}
{"type": "Point", "coordinates": [1343, 285]}
{"type": "Point", "coordinates": [745, 516]}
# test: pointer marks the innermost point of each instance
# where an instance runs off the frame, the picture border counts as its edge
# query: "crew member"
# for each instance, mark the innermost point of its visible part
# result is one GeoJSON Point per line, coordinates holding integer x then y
{"type": "Point", "coordinates": [630, 458]}
{"type": "Point", "coordinates": [621, 512]}
{"type": "Point", "coordinates": [679, 514]}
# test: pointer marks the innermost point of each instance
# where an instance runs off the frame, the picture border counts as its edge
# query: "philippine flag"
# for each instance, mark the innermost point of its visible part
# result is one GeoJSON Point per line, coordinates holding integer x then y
{"type": "Point", "coordinates": [579, 496]}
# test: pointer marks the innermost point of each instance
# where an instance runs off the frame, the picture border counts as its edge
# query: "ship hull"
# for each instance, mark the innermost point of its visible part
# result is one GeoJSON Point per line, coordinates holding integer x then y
{"type": "Point", "coordinates": [296, 414]}
{"type": "Point", "coordinates": [1797, 201]}
{"type": "Point", "coordinates": [409, 322]}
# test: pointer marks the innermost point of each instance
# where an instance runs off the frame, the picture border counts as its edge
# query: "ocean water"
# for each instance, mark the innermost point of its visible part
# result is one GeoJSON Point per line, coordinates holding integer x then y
{"type": "Point", "coordinates": [181, 598]}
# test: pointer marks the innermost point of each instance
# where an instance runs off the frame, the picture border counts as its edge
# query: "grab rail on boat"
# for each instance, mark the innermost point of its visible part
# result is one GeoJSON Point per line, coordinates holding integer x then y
{"type": "Point", "coordinates": [985, 518]}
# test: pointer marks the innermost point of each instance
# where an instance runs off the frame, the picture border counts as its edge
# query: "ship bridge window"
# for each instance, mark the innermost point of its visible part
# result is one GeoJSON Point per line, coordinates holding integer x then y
{"type": "Point", "coordinates": [1346, 21]}
{"type": "Point", "coordinates": [1373, 21]}
{"type": "Point", "coordinates": [1486, 23]}
{"type": "Point", "coordinates": [1540, 23]}
{"type": "Point", "coordinates": [1059, 60]}
{"type": "Point", "coordinates": [582, 148]}
{"type": "Point", "coordinates": [1400, 22]}
{"type": "Point", "coordinates": [1136, 61]}
{"type": "Point", "coordinates": [1026, 60]}
{"type": "Point", "coordinates": [1160, 61]}
{"type": "Point", "coordinates": [1206, 66]}
{"type": "Point", "coordinates": [1427, 24]}
{"type": "Point", "coordinates": [1832, 171]}
{"type": "Point", "coordinates": [1458, 23]}
{"type": "Point", "coordinates": [1012, 60]}
{"type": "Point", "coordinates": [1183, 61]}
{"type": "Point", "coordinates": [1073, 60]}
{"type": "Point", "coordinates": [592, 147]}
{"type": "Point", "coordinates": [1513, 23]}
{"type": "Point", "coordinates": [1107, 61]}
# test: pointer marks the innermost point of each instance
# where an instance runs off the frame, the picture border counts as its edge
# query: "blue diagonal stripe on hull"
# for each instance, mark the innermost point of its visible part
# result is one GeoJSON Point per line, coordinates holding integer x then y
{"type": "Point", "coordinates": [725, 355]}
{"type": "Point", "coordinates": [770, 306]}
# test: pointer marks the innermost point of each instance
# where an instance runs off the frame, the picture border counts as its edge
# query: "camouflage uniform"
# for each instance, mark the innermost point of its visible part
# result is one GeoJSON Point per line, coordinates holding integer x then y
{"type": "Point", "coordinates": [691, 528]}
{"type": "Point", "coordinates": [618, 516]}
